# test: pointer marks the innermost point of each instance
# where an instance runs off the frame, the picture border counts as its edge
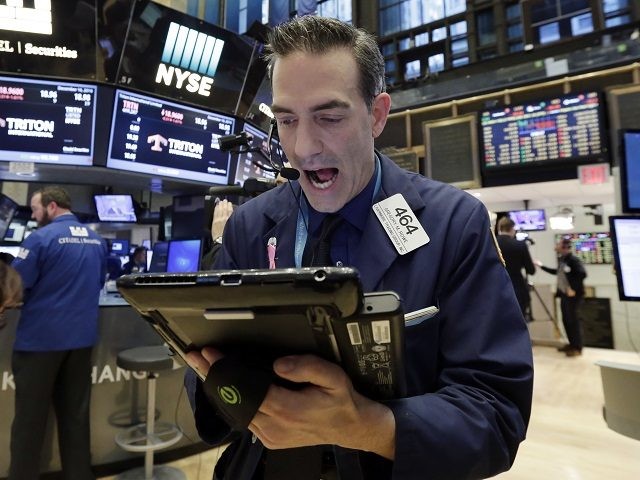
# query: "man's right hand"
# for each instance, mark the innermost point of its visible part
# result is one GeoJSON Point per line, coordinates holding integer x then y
{"type": "Point", "coordinates": [222, 212]}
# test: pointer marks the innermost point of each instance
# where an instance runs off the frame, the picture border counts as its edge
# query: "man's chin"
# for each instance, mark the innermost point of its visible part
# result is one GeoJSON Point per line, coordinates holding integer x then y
{"type": "Point", "coordinates": [324, 205]}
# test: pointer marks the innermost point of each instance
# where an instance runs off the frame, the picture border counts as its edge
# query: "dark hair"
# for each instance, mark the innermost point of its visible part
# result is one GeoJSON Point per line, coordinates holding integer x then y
{"type": "Point", "coordinates": [319, 35]}
{"type": "Point", "coordinates": [565, 243]}
{"type": "Point", "coordinates": [505, 224]}
{"type": "Point", "coordinates": [138, 250]}
{"type": "Point", "coordinates": [54, 194]}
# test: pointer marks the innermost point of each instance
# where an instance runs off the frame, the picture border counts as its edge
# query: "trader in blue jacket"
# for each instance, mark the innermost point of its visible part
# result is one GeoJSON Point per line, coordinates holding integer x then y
{"type": "Point", "coordinates": [63, 267]}
{"type": "Point", "coordinates": [469, 367]}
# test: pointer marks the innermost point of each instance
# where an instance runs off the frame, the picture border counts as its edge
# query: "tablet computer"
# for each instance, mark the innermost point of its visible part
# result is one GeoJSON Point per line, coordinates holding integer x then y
{"type": "Point", "coordinates": [271, 313]}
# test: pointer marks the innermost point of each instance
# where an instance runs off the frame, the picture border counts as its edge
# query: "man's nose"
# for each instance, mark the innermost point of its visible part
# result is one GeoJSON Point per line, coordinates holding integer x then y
{"type": "Point", "coordinates": [307, 139]}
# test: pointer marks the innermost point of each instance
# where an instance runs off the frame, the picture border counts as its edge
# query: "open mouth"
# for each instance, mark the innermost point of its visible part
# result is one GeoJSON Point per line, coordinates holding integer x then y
{"type": "Point", "coordinates": [322, 178]}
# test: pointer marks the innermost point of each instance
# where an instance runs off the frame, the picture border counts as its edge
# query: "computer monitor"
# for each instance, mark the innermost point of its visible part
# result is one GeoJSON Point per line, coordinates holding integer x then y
{"type": "Point", "coordinates": [542, 140]}
{"type": "Point", "coordinates": [159, 137]}
{"type": "Point", "coordinates": [8, 209]}
{"type": "Point", "coordinates": [187, 219]}
{"type": "Point", "coordinates": [184, 255]}
{"type": "Point", "coordinates": [528, 220]}
{"type": "Point", "coordinates": [115, 208]}
{"type": "Point", "coordinates": [15, 232]}
{"type": "Point", "coordinates": [630, 171]}
{"type": "Point", "coordinates": [119, 247]}
{"type": "Point", "coordinates": [625, 233]}
{"type": "Point", "coordinates": [592, 248]}
{"type": "Point", "coordinates": [158, 261]}
{"type": "Point", "coordinates": [47, 121]}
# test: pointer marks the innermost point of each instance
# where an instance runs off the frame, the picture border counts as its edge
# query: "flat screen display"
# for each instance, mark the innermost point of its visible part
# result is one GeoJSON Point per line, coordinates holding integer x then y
{"type": "Point", "coordinates": [46, 122]}
{"type": "Point", "coordinates": [49, 37]}
{"type": "Point", "coordinates": [593, 248]}
{"type": "Point", "coordinates": [625, 231]}
{"type": "Point", "coordinates": [159, 137]}
{"type": "Point", "coordinates": [179, 56]}
{"type": "Point", "coordinates": [247, 162]}
{"type": "Point", "coordinates": [8, 209]}
{"type": "Point", "coordinates": [158, 260]}
{"type": "Point", "coordinates": [527, 220]}
{"type": "Point", "coordinates": [183, 256]}
{"type": "Point", "coordinates": [566, 128]}
{"type": "Point", "coordinates": [119, 247]}
{"type": "Point", "coordinates": [187, 216]}
{"type": "Point", "coordinates": [115, 208]}
{"type": "Point", "coordinates": [15, 232]}
{"type": "Point", "coordinates": [630, 171]}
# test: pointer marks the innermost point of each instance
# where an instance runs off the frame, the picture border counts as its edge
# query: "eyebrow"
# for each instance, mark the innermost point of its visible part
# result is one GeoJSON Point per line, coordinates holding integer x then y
{"type": "Point", "coordinates": [323, 106]}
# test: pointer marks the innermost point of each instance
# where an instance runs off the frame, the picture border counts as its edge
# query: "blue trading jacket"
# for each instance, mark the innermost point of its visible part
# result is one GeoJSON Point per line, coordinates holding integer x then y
{"type": "Point", "coordinates": [469, 368]}
{"type": "Point", "coordinates": [63, 268]}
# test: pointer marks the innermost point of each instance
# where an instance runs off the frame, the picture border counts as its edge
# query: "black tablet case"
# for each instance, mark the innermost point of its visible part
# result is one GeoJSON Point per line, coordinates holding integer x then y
{"type": "Point", "coordinates": [271, 313]}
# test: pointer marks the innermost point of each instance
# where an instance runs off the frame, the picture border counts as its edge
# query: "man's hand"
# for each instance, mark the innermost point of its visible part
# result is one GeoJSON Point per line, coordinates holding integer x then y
{"type": "Point", "coordinates": [571, 292]}
{"type": "Point", "coordinates": [222, 212]}
{"type": "Point", "coordinates": [326, 411]}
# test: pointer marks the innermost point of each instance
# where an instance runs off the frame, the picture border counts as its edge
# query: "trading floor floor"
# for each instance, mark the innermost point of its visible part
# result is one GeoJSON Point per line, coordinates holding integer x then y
{"type": "Point", "coordinates": [567, 439]}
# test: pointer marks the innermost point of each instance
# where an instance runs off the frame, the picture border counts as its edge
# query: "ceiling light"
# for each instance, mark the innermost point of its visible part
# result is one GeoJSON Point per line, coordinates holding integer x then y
{"type": "Point", "coordinates": [562, 219]}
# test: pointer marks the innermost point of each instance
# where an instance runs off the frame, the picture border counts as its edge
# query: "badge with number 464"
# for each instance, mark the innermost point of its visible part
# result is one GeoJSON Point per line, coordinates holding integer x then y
{"type": "Point", "coordinates": [400, 223]}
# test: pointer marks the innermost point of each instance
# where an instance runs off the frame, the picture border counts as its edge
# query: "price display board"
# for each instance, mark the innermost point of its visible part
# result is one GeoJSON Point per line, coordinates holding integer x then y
{"type": "Point", "coordinates": [158, 137]}
{"type": "Point", "coordinates": [558, 129]}
{"type": "Point", "coordinates": [46, 122]}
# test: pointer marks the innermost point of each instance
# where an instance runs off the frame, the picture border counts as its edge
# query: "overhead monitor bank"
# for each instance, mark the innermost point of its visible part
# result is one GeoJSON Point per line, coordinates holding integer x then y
{"type": "Point", "coordinates": [174, 55]}
{"type": "Point", "coordinates": [56, 38]}
{"type": "Point", "coordinates": [567, 128]}
{"type": "Point", "coordinates": [47, 122]}
{"type": "Point", "coordinates": [158, 137]}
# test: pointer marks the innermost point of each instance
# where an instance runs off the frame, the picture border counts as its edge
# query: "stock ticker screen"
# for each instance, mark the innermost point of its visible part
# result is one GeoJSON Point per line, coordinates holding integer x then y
{"type": "Point", "coordinates": [563, 128]}
{"type": "Point", "coordinates": [159, 137]}
{"type": "Point", "coordinates": [592, 248]}
{"type": "Point", "coordinates": [46, 122]}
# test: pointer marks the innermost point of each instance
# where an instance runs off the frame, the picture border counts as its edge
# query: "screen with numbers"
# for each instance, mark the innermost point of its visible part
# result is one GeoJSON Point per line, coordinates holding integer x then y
{"type": "Point", "coordinates": [592, 247]}
{"type": "Point", "coordinates": [157, 137]}
{"type": "Point", "coordinates": [46, 122]}
{"type": "Point", "coordinates": [566, 128]}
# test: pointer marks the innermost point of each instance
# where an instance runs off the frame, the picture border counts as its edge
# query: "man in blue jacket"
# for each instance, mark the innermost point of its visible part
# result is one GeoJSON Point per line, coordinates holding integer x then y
{"type": "Point", "coordinates": [63, 268]}
{"type": "Point", "coordinates": [469, 368]}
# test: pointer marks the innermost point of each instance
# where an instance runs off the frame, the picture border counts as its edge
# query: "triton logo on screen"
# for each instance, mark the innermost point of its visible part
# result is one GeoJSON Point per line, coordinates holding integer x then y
{"type": "Point", "coordinates": [181, 148]}
{"type": "Point", "coordinates": [28, 127]}
{"type": "Point", "coordinates": [18, 17]}
{"type": "Point", "coordinates": [189, 59]}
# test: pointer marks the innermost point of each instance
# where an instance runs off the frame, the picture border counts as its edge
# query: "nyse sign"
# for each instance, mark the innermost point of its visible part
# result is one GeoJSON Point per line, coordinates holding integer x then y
{"type": "Point", "coordinates": [192, 82]}
{"type": "Point", "coordinates": [189, 59]}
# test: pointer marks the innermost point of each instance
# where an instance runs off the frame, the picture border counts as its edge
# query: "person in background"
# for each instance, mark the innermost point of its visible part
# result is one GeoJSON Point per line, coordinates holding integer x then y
{"type": "Point", "coordinates": [570, 289]}
{"type": "Point", "coordinates": [6, 257]}
{"type": "Point", "coordinates": [469, 367]}
{"type": "Point", "coordinates": [10, 290]}
{"type": "Point", "coordinates": [221, 213]}
{"type": "Point", "coordinates": [62, 266]}
{"type": "Point", "coordinates": [137, 263]}
{"type": "Point", "coordinates": [517, 258]}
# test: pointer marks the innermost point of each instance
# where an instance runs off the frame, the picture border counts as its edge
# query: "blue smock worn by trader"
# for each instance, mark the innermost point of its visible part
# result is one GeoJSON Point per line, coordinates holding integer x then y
{"type": "Point", "coordinates": [469, 368]}
{"type": "Point", "coordinates": [59, 314]}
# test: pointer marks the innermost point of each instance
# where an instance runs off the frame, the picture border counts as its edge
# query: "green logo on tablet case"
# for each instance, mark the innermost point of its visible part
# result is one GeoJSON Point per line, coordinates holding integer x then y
{"type": "Point", "coordinates": [229, 395]}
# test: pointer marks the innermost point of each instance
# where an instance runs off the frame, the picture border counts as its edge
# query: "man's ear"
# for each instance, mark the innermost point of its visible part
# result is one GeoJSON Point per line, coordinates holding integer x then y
{"type": "Point", "coordinates": [380, 111]}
